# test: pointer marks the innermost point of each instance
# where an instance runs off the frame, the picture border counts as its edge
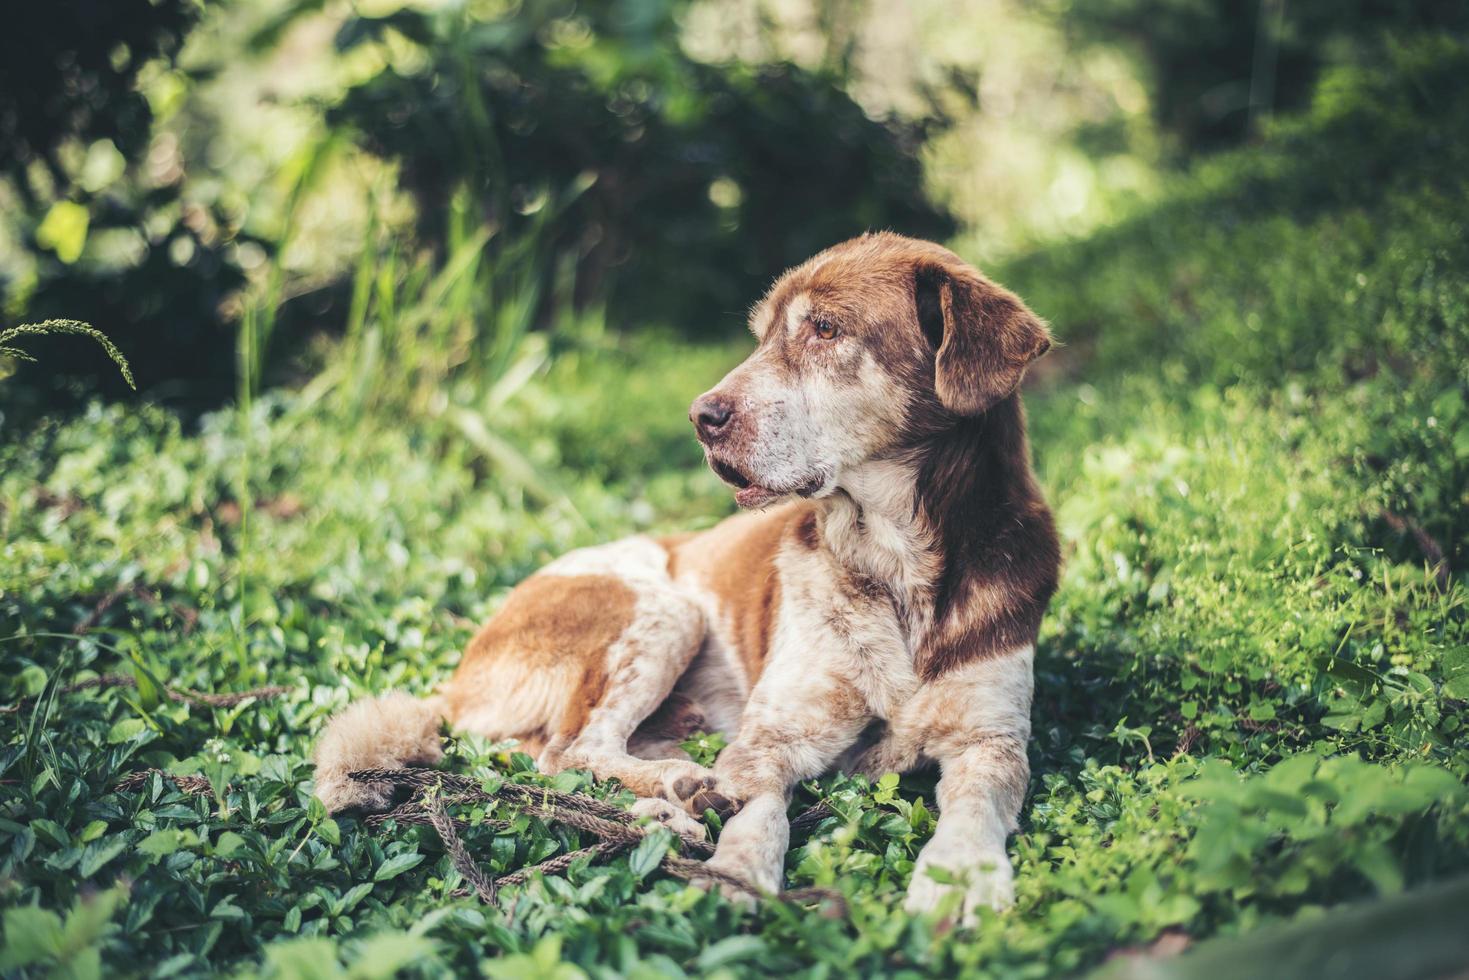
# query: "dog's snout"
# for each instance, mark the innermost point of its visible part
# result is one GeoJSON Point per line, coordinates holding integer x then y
{"type": "Point", "coordinates": [710, 415]}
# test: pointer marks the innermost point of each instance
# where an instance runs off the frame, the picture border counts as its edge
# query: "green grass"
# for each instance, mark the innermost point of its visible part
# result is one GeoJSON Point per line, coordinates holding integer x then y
{"type": "Point", "coordinates": [1250, 688]}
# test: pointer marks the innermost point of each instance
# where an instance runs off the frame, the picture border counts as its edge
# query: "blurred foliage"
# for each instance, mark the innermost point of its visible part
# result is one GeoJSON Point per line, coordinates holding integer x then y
{"type": "Point", "coordinates": [105, 226]}
{"type": "Point", "coordinates": [677, 189]}
{"type": "Point", "coordinates": [69, 72]}
{"type": "Point", "coordinates": [646, 184]}
{"type": "Point", "coordinates": [1359, 207]}
{"type": "Point", "coordinates": [1217, 68]}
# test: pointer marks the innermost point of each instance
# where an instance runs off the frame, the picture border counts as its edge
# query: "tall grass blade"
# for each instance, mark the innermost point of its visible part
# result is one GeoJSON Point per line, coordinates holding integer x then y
{"type": "Point", "coordinates": [49, 327]}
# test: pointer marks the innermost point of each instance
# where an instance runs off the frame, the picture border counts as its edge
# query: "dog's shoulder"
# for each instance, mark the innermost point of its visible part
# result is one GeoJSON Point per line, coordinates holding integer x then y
{"type": "Point", "coordinates": [736, 566]}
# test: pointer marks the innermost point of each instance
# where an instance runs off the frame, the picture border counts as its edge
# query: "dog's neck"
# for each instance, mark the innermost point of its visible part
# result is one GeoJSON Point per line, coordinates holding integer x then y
{"type": "Point", "coordinates": [873, 527]}
{"type": "Point", "coordinates": [916, 522]}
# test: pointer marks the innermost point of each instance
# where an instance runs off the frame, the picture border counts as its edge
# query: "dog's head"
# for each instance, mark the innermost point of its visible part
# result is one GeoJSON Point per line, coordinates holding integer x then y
{"type": "Point", "coordinates": [863, 350]}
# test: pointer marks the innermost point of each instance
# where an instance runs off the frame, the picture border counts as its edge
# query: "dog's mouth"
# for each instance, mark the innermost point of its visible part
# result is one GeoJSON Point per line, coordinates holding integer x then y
{"type": "Point", "coordinates": [748, 493]}
{"type": "Point", "coordinates": [730, 474]}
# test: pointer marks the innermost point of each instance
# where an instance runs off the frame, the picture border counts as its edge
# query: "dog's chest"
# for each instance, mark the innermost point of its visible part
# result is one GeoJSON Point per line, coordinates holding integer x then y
{"type": "Point", "coordinates": [839, 625]}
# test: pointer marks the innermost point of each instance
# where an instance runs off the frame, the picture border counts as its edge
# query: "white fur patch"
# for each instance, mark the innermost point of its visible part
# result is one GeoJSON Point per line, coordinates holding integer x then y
{"type": "Point", "coordinates": [797, 310]}
{"type": "Point", "coordinates": [638, 560]}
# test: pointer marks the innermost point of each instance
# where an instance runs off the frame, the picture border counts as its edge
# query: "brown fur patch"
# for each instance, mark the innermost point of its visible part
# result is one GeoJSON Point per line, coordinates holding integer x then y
{"type": "Point", "coordinates": [912, 302]}
{"type": "Point", "coordinates": [807, 532]}
{"type": "Point", "coordinates": [736, 562]}
{"type": "Point", "coordinates": [678, 717]}
{"type": "Point", "coordinates": [1001, 558]}
{"type": "Point", "coordinates": [551, 623]}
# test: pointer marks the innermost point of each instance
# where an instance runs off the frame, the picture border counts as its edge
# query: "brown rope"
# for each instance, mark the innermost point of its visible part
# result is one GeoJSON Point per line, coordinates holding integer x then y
{"type": "Point", "coordinates": [576, 810]}
{"type": "Point", "coordinates": [483, 885]}
{"type": "Point", "coordinates": [558, 864]}
{"type": "Point", "coordinates": [107, 681]}
{"type": "Point", "coordinates": [614, 827]}
{"type": "Point", "coordinates": [193, 785]}
{"type": "Point", "coordinates": [142, 593]}
{"type": "Point", "coordinates": [106, 602]}
{"type": "Point", "coordinates": [1190, 736]}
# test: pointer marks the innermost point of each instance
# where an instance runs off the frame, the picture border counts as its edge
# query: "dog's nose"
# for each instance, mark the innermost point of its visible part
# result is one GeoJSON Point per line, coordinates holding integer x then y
{"type": "Point", "coordinates": [710, 415]}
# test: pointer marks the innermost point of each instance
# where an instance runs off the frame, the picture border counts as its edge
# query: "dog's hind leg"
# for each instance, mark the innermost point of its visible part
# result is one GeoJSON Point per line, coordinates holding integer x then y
{"type": "Point", "coordinates": [642, 667]}
{"type": "Point", "coordinates": [577, 658]}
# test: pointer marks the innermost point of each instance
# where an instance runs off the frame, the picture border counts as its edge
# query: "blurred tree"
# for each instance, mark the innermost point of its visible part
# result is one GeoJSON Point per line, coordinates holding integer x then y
{"type": "Point", "coordinates": [107, 236]}
{"type": "Point", "coordinates": [69, 71]}
{"type": "Point", "coordinates": [1218, 67]}
{"type": "Point", "coordinates": [677, 188]}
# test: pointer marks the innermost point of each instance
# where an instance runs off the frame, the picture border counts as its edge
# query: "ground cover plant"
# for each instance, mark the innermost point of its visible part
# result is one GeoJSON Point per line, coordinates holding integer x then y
{"type": "Point", "coordinates": [1250, 689]}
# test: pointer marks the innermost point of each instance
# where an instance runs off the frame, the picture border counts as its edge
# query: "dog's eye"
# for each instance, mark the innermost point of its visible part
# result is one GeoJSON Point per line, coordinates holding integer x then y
{"type": "Point", "coordinates": [825, 329]}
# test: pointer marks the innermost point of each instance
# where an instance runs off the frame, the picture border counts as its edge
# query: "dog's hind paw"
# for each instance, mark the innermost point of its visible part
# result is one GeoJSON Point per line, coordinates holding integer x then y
{"type": "Point", "coordinates": [672, 817]}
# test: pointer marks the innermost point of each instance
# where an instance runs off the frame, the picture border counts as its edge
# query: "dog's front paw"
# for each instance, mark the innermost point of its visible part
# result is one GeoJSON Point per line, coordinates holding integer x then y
{"type": "Point", "coordinates": [700, 790]}
{"type": "Point", "coordinates": [957, 893]}
{"type": "Point", "coordinates": [735, 886]}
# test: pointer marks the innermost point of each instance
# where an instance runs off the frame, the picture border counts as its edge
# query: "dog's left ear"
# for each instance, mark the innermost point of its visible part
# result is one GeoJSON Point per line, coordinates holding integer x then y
{"type": "Point", "coordinates": [983, 335]}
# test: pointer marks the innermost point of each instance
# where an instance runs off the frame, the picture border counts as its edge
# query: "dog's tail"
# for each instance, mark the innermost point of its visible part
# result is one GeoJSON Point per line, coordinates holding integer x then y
{"type": "Point", "coordinates": [385, 733]}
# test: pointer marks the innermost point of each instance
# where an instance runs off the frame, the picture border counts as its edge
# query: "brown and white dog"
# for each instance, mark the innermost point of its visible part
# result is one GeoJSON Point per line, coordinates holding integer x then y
{"type": "Point", "coordinates": [877, 613]}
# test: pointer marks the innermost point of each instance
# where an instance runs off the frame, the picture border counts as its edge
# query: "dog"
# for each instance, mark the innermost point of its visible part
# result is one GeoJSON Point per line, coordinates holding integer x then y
{"type": "Point", "coordinates": [874, 610]}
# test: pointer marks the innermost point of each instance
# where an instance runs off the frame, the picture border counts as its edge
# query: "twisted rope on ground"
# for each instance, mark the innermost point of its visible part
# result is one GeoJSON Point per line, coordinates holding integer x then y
{"type": "Point", "coordinates": [559, 863]}
{"type": "Point", "coordinates": [615, 828]}
{"type": "Point", "coordinates": [484, 886]}
{"type": "Point", "coordinates": [107, 681]}
{"type": "Point", "coordinates": [576, 810]}
{"type": "Point", "coordinates": [192, 785]}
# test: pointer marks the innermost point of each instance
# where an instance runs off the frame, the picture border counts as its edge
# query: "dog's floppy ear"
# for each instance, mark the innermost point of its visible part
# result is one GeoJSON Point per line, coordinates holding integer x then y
{"type": "Point", "coordinates": [983, 335]}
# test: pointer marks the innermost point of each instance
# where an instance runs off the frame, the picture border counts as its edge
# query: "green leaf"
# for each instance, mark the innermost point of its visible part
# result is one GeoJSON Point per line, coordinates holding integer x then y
{"type": "Point", "coordinates": [354, 895]}
{"type": "Point", "coordinates": [1378, 865]}
{"type": "Point", "coordinates": [162, 843]}
{"type": "Point", "coordinates": [731, 949]}
{"type": "Point", "coordinates": [98, 854]}
{"type": "Point", "coordinates": [649, 853]}
{"type": "Point", "coordinates": [32, 680]}
{"type": "Point", "coordinates": [1262, 711]}
{"type": "Point", "coordinates": [87, 921]}
{"type": "Point", "coordinates": [150, 689]}
{"type": "Point", "coordinates": [64, 230]}
{"type": "Point", "coordinates": [85, 964]}
{"type": "Point", "coordinates": [304, 959]}
{"type": "Point", "coordinates": [228, 843]}
{"type": "Point", "coordinates": [51, 831]}
{"type": "Point", "coordinates": [125, 729]}
{"type": "Point", "coordinates": [31, 935]}
{"type": "Point", "coordinates": [381, 956]}
{"type": "Point", "coordinates": [396, 865]}
{"type": "Point", "coordinates": [1456, 669]}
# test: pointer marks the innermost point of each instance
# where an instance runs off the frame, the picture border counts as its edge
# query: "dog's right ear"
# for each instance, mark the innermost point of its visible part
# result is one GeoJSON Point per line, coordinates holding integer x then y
{"type": "Point", "coordinates": [982, 335]}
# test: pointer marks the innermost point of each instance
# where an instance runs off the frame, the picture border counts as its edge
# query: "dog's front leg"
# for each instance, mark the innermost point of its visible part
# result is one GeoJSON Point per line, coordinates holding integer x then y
{"type": "Point", "coordinates": [979, 796]}
{"type": "Point", "coordinates": [788, 733]}
{"type": "Point", "coordinates": [981, 747]}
